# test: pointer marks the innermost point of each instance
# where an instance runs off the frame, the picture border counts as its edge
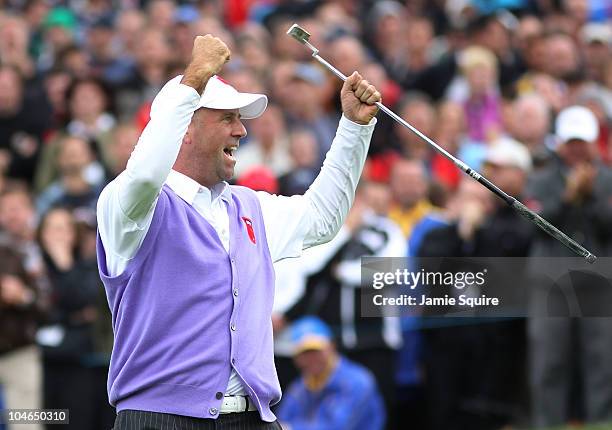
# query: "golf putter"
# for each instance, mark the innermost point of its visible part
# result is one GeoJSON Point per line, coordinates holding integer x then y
{"type": "Point", "coordinates": [302, 36]}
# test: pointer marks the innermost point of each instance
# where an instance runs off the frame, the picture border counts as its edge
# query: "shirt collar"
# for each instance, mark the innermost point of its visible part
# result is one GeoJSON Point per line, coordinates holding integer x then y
{"type": "Point", "coordinates": [188, 189]}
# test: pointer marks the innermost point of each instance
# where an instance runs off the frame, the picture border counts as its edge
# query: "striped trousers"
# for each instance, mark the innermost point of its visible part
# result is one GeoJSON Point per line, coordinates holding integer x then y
{"type": "Point", "coordinates": [141, 420]}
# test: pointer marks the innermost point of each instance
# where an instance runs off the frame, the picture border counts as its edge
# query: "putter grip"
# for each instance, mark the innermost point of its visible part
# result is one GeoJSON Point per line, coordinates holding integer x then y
{"type": "Point", "coordinates": [553, 231]}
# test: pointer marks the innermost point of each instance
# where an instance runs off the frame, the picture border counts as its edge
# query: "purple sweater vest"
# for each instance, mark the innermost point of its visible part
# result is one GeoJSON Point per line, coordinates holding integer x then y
{"type": "Point", "coordinates": [184, 309]}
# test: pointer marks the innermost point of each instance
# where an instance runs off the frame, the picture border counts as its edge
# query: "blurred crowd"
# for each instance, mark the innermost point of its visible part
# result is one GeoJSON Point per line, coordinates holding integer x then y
{"type": "Point", "coordinates": [519, 89]}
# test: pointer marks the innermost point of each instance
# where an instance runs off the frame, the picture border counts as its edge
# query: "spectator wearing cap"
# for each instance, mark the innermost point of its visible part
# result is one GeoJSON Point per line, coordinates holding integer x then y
{"type": "Point", "coordinates": [333, 392]}
{"type": "Point", "coordinates": [89, 13]}
{"type": "Point", "coordinates": [467, 389]}
{"type": "Point", "coordinates": [493, 6]}
{"type": "Point", "coordinates": [489, 227]}
{"type": "Point", "coordinates": [185, 14]}
{"type": "Point", "coordinates": [508, 163]}
{"type": "Point", "coordinates": [598, 99]}
{"type": "Point", "coordinates": [575, 194]}
{"type": "Point", "coordinates": [333, 287]}
{"type": "Point", "coordinates": [564, 190]}
{"type": "Point", "coordinates": [59, 28]}
{"type": "Point", "coordinates": [597, 42]}
{"type": "Point", "coordinates": [34, 12]}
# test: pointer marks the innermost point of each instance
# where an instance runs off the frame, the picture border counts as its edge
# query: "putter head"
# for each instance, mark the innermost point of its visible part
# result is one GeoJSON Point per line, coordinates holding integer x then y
{"type": "Point", "coordinates": [298, 33]}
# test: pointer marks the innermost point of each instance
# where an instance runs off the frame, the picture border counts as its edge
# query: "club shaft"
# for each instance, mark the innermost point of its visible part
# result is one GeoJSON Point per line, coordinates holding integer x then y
{"type": "Point", "coordinates": [511, 201]}
{"type": "Point", "coordinates": [403, 122]}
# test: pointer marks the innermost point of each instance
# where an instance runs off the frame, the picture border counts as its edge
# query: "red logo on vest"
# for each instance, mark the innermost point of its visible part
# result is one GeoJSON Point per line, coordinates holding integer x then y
{"type": "Point", "coordinates": [249, 227]}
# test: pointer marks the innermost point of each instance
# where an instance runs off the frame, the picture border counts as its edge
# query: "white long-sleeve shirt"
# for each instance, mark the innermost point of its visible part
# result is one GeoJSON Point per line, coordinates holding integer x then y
{"type": "Point", "coordinates": [127, 204]}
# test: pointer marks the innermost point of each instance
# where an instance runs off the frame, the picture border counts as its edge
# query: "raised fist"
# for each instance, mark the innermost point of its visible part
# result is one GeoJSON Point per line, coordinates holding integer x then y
{"type": "Point", "coordinates": [208, 56]}
{"type": "Point", "coordinates": [358, 99]}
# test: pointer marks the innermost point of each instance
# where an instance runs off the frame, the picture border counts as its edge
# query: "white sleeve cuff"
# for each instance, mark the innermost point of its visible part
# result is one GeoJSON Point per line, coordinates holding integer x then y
{"type": "Point", "coordinates": [352, 127]}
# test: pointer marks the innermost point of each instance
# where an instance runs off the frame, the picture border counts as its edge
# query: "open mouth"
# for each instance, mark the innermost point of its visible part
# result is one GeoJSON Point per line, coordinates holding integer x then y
{"type": "Point", "coordinates": [229, 151]}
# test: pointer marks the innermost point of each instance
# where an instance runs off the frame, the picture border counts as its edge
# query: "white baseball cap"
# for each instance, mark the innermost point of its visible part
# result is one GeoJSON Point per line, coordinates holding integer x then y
{"type": "Point", "coordinates": [508, 152]}
{"type": "Point", "coordinates": [218, 94]}
{"type": "Point", "coordinates": [577, 122]}
{"type": "Point", "coordinates": [597, 32]}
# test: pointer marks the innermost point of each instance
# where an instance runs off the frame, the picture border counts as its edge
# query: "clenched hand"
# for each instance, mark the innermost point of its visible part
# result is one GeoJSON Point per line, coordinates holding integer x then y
{"type": "Point", "coordinates": [358, 99]}
{"type": "Point", "coordinates": [208, 56]}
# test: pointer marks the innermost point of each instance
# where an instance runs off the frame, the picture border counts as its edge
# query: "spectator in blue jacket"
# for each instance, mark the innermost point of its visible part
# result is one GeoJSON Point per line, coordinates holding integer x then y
{"type": "Point", "coordinates": [333, 392]}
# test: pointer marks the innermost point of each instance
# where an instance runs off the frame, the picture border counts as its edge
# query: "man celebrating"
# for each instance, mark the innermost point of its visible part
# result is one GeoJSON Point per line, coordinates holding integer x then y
{"type": "Point", "coordinates": [186, 259]}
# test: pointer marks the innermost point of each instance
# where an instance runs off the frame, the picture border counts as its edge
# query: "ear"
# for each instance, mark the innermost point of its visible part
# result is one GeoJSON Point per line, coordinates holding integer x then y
{"type": "Point", "coordinates": [187, 138]}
